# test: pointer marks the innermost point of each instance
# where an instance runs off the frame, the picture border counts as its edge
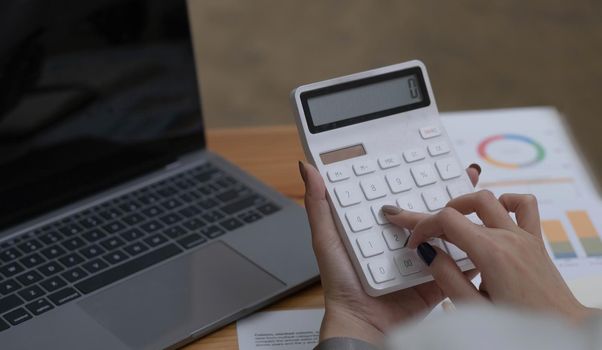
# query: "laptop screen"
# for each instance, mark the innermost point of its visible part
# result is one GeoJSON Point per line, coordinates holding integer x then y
{"type": "Point", "coordinates": [92, 93]}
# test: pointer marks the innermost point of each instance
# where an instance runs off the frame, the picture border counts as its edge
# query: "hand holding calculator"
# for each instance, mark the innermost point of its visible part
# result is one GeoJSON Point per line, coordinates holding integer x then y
{"type": "Point", "coordinates": [376, 138]}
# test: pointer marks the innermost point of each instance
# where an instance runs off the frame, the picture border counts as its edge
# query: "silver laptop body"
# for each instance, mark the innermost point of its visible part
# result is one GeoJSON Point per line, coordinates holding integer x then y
{"type": "Point", "coordinates": [118, 229]}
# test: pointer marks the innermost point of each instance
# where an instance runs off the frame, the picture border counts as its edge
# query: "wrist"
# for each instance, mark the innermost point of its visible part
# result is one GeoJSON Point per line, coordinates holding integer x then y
{"type": "Point", "coordinates": [342, 323]}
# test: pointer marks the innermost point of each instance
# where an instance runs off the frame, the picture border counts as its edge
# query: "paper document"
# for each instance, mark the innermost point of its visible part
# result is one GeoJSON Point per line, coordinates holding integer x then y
{"type": "Point", "coordinates": [280, 330]}
{"type": "Point", "coordinates": [521, 150]}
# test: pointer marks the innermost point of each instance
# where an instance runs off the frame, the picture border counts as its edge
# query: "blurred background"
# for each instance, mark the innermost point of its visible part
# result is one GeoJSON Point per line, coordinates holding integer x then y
{"type": "Point", "coordinates": [480, 54]}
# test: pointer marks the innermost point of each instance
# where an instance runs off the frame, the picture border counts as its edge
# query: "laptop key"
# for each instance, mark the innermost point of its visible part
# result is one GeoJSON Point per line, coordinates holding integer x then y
{"type": "Point", "coordinates": [17, 316]}
{"type": "Point", "coordinates": [31, 293]}
{"type": "Point", "coordinates": [3, 325]}
{"type": "Point", "coordinates": [170, 218]}
{"type": "Point", "coordinates": [134, 219]}
{"type": "Point", "coordinates": [30, 246]}
{"type": "Point", "coordinates": [152, 212]}
{"type": "Point", "coordinates": [32, 260]}
{"type": "Point", "coordinates": [95, 266]}
{"type": "Point", "coordinates": [135, 248]}
{"type": "Point", "coordinates": [10, 254]}
{"type": "Point", "coordinates": [50, 237]}
{"type": "Point", "coordinates": [74, 274]}
{"type": "Point", "coordinates": [212, 231]}
{"type": "Point", "coordinates": [171, 204]}
{"type": "Point", "coordinates": [114, 226]}
{"type": "Point", "coordinates": [192, 240]}
{"type": "Point", "coordinates": [130, 267]}
{"type": "Point", "coordinates": [193, 224]}
{"type": "Point", "coordinates": [50, 269]}
{"type": "Point", "coordinates": [242, 204]}
{"type": "Point", "coordinates": [174, 232]}
{"type": "Point", "coordinates": [92, 251]}
{"type": "Point", "coordinates": [155, 240]}
{"type": "Point", "coordinates": [9, 286]}
{"type": "Point", "coordinates": [213, 216]}
{"type": "Point", "coordinates": [207, 203]}
{"type": "Point", "coordinates": [190, 211]}
{"type": "Point", "coordinates": [39, 306]}
{"type": "Point", "coordinates": [110, 214]}
{"type": "Point", "coordinates": [132, 235]}
{"type": "Point", "coordinates": [94, 235]}
{"type": "Point", "coordinates": [71, 229]}
{"type": "Point", "coordinates": [63, 296]}
{"type": "Point", "coordinates": [29, 277]}
{"type": "Point", "coordinates": [10, 302]}
{"type": "Point", "coordinates": [73, 243]}
{"type": "Point", "coordinates": [53, 252]}
{"type": "Point", "coordinates": [231, 224]}
{"type": "Point", "coordinates": [268, 208]}
{"type": "Point", "coordinates": [250, 217]}
{"type": "Point", "coordinates": [115, 257]}
{"type": "Point", "coordinates": [71, 260]}
{"type": "Point", "coordinates": [11, 269]}
{"type": "Point", "coordinates": [53, 284]}
{"type": "Point", "coordinates": [151, 226]}
{"type": "Point", "coordinates": [91, 222]}
{"type": "Point", "coordinates": [112, 243]}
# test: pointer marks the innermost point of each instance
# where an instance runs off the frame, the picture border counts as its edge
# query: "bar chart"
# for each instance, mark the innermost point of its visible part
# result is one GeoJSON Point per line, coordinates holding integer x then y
{"type": "Point", "coordinates": [559, 240]}
{"type": "Point", "coordinates": [586, 232]}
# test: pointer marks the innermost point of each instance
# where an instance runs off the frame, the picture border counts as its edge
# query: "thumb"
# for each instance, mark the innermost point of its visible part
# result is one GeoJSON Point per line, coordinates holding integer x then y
{"type": "Point", "coordinates": [447, 275]}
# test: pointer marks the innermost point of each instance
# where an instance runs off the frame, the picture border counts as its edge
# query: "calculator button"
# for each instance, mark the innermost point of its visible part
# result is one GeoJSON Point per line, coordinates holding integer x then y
{"type": "Point", "coordinates": [423, 175]}
{"type": "Point", "coordinates": [348, 194]}
{"type": "Point", "coordinates": [411, 202]}
{"type": "Point", "coordinates": [362, 168]}
{"type": "Point", "coordinates": [337, 174]}
{"type": "Point", "coordinates": [374, 187]}
{"type": "Point", "coordinates": [439, 148]}
{"type": "Point", "coordinates": [381, 270]}
{"type": "Point", "coordinates": [413, 155]}
{"type": "Point", "coordinates": [429, 132]}
{"type": "Point", "coordinates": [458, 189]}
{"type": "Point", "coordinates": [448, 168]}
{"type": "Point", "coordinates": [395, 237]}
{"type": "Point", "coordinates": [370, 245]}
{"type": "Point", "coordinates": [408, 263]}
{"type": "Point", "coordinates": [359, 219]}
{"type": "Point", "coordinates": [388, 161]}
{"type": "Point", "coordinates": [399, 181]}
{"type": "Point", "coordinates": [379, 216]}
{"type": "Point", "coordinates": [455, 252]}
{"type": "Point", "coordinates": [435, 198]}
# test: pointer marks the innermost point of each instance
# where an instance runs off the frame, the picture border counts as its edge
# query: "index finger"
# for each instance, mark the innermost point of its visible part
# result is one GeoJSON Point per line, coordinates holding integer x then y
{"type": "Point", "coordinates": [453, 227]}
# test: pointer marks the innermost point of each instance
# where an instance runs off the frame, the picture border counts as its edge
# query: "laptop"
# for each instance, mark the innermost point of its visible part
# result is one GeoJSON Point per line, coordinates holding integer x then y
{"type": "Point", "coordinates": [118, 228]}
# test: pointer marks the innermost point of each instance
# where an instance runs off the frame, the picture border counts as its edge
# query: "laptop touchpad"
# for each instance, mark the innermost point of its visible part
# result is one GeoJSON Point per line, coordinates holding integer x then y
{"type": "Point", "coordinates": [165, 304]}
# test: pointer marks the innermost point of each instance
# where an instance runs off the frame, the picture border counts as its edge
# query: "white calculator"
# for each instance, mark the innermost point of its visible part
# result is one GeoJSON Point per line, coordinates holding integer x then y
{"type": "Point", "coordinates": [376, 138]}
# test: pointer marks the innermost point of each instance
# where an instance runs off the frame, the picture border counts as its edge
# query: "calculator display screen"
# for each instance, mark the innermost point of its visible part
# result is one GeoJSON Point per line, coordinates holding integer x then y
{"type": "Point", "coordinates": [365, 99]}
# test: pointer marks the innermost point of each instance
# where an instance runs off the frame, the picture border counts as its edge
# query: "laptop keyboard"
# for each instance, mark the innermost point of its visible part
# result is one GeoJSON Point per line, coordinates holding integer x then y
{"type": "Point", "coordinates": [75, 256]}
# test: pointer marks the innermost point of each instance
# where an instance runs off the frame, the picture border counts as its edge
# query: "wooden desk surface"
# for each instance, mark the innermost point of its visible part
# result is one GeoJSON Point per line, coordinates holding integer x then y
{"type": "Point", "coordinates": [270, 154]}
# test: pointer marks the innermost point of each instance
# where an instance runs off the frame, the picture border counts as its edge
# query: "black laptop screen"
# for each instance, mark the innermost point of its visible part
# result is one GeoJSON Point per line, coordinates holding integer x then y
{"type": "Point", "coordinates": [92, 93]}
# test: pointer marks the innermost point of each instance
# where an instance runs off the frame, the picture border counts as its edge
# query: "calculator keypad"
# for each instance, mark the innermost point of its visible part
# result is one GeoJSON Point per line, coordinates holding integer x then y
{"type": "Point", "coordinates": [421, 179]}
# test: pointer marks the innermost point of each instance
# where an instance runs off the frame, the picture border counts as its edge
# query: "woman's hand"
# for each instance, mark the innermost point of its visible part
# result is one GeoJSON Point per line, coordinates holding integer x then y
{"type": "Point", "coordinates": [350, 312]}
{"type": "Point", "coordinates": [515, 267]}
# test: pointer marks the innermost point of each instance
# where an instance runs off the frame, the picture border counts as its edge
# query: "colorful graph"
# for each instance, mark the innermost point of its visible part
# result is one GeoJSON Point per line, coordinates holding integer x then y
{"type": "Point", "coordinates": [513, 156]}
{"type": "Point", "coordinates": [586, 232]}
{"type": "Point", "coordinates": [558, 239]}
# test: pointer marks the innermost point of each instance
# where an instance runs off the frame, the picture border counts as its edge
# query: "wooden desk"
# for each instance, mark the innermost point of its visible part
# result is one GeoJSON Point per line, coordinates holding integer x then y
{"type": "Point", "coordinates": [270, 154]}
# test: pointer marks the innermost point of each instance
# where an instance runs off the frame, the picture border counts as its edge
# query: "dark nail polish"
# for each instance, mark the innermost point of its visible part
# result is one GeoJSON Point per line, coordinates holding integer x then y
{"type": "Point", "coordinates": [302, 171]}
{"type": "Point", "coordinates": [427, 253]}
{"type": "Point", "coordinates": [476, 167]}
{"type": "Point", "coordinates": [391, 209]}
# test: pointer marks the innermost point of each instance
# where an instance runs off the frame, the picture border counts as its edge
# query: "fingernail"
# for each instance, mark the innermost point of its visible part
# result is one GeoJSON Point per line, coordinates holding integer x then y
{"type": "Point", "coordinates": [391, 209]}
{"type": "Point", "coordinates": [302, 171]}
{"type": "Point", "coordinates": [427, 253]}
{"type": "Point", "coordinates": [476, 167]}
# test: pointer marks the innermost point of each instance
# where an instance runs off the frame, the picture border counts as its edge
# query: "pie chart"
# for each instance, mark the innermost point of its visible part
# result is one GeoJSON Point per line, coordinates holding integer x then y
{"type": "Point", "coordinates": [511, 151]}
